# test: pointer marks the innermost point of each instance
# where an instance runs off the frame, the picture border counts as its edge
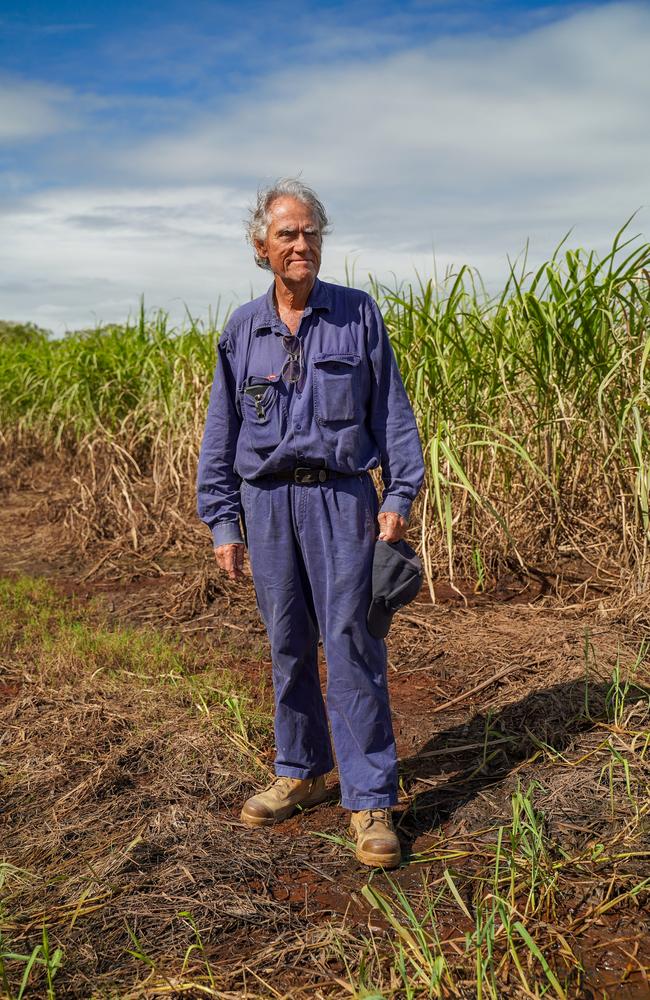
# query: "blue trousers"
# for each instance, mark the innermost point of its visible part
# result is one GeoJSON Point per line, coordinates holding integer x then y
{"type": "Point", "coordinates": [311, 548]}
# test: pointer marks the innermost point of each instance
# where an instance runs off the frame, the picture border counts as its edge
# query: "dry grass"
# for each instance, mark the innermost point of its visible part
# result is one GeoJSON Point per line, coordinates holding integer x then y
{"type": "Point", "coordinates": [125, 757]}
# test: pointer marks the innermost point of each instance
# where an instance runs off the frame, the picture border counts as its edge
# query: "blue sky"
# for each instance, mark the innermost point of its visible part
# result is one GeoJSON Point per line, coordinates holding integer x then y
{"type": "Point", "coordinates": [133, 136]}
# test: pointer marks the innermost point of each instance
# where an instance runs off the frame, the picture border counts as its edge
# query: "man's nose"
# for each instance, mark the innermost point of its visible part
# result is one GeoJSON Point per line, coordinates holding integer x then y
{"type": "Point", "coordinates": [301, 243]}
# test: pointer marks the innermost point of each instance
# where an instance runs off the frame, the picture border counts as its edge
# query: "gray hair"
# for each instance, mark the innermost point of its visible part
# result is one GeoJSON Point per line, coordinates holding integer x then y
{"type": "Point", "coordinates": [257, 225]}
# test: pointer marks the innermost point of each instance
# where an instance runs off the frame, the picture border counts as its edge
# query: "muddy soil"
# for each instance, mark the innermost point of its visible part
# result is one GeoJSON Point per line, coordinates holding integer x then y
{"type": "Point", "coordinates": [510, 663]}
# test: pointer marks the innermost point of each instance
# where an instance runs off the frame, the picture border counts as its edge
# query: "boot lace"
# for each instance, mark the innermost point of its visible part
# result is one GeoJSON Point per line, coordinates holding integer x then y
{"type": "Point", "coordinates": [281, 783]}
{"type": "Point", "coordinates": [377, 815]}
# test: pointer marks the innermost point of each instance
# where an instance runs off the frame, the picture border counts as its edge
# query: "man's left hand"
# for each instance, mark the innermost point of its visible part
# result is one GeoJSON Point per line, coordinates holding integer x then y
{"type": "Point", "coordinates": [392, 526]}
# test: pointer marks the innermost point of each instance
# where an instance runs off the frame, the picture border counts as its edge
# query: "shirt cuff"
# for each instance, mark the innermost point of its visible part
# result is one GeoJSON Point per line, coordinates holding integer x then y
{"type": "Point", "coordinates": [226, 532]}
{"type": "Point", "coordinates": [396, 504]}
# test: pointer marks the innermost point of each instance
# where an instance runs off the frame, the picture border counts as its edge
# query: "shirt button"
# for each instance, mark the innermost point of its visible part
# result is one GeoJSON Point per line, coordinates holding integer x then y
{"type": "Point", "coordinates": [298, 427]}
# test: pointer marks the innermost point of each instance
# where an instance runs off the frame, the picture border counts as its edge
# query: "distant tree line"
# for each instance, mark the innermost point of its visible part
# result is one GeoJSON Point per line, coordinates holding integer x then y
{"type": "Point", "coordinates": [21, 333]}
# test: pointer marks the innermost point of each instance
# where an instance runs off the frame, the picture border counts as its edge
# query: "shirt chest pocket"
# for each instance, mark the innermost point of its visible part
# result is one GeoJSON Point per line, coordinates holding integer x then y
{"type": "Point", "coordinates": [337, 388]}
{"type": "Point", "coordinates": [264, 411]}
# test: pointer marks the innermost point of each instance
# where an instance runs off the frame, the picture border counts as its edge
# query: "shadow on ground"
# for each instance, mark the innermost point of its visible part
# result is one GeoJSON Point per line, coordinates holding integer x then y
{"type": "Point", "coordinates": [467, 759]}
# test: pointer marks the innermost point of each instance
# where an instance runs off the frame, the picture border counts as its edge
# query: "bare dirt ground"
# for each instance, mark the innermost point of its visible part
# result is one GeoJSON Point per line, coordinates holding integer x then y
{"type": "Point", "coordinates": [478, 684]}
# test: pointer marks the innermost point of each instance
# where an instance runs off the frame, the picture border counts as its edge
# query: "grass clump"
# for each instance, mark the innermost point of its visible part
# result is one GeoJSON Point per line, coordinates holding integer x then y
{"type": "Point", "coordinates": [527, 906]}
{"type": "Point", "coordinates": [522, 919]}
{"type": "Point", "coordinates": [54, 642]}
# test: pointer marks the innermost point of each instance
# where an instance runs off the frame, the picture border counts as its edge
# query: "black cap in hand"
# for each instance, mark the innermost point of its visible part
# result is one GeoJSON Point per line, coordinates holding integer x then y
{"type": "Point", "coordinates": [396, 580]}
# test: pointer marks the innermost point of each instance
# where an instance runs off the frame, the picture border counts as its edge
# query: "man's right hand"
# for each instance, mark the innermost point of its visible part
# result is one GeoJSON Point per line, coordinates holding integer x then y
{"type": "Point", "coordinates": [230, 558]}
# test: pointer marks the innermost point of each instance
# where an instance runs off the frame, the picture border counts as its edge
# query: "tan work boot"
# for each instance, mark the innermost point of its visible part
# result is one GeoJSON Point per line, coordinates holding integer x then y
{"type": "Point", "coordinates": [377, 843]}
{"type": "Point", "coordinates": [281, 798]}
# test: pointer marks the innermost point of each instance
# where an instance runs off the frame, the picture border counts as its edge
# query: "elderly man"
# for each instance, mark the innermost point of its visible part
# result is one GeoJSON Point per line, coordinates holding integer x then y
{"type": "Point", "coordinates": [306, 399]}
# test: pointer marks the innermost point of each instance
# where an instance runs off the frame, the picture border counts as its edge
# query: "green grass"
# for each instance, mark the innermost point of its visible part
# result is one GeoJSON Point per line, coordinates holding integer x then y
{"type": "Point", "coordinates": [512, 931]}
{"type": "Point", "coordinates": [90, 699]}
{"type": "Point", "coordinates": [51, 640]}
{"type": "Point", "coordinates": [41, 956]}
{"type": "Point", "coordinates": [533, 407]}
{"type": "Point", "coordinates": [510, 910]}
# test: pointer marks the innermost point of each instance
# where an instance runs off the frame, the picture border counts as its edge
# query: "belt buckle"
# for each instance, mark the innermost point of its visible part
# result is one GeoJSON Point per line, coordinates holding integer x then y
{"type": "Point", "coordinates": [307, 474]}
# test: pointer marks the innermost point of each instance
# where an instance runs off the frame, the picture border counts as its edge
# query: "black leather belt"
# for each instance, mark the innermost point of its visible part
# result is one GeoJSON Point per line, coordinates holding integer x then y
{"type": "Point", "coordinates": [308, 474]}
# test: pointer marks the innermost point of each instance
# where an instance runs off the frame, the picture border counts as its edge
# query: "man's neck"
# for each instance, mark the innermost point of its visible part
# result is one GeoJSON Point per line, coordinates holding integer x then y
{"type": "Point", "coordinates": [291, 298]}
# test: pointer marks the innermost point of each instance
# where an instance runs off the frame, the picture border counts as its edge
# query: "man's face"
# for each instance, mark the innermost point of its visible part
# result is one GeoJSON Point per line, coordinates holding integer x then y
{"type": "Point", "coordinates": [293, 242]}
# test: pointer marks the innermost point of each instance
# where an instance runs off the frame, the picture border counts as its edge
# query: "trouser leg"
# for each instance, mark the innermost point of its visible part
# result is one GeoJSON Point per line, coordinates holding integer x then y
{"type": "Point", "coordinates": [285, 602]}
{"type": "Point", "coordinates": [337, 533]}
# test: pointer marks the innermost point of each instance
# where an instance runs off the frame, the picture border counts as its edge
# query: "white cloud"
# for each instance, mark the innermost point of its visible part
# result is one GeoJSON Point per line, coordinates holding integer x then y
{"type": "Point", "coordinates": [80, 256]}
{"type": "Point", "coordinates": [533, 102]}
{"type": "Point", "coordinates": [32, 110]}
{"type": "Point", "coordinates": [467, 146]}
{"type": "Point", "coordinates": [87, 256]}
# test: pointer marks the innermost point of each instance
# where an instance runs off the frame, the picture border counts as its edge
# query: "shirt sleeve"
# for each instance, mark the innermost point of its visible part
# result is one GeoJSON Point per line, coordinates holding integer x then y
{"type": "Point", "coordinates": [392, 420]}
{"type": "Point", "coordinates": [218, 500]}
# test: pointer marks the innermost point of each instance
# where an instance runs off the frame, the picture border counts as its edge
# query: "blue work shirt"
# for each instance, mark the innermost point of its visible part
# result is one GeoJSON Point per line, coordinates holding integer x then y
{"type": "Point", "coordinates": [350, 413]}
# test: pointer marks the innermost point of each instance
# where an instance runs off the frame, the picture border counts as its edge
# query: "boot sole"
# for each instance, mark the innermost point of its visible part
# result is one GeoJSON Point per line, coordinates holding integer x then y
{"type": "Point", "coordinates": [377, 860]}
{"type": "Point", "coordinates": [256, 821]}
{"type": "Point", "coordinates": [374, 860]}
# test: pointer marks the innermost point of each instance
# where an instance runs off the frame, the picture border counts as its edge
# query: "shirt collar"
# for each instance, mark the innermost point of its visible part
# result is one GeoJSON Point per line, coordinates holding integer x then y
{"type": "Point", "coordinates": [267, 317]}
